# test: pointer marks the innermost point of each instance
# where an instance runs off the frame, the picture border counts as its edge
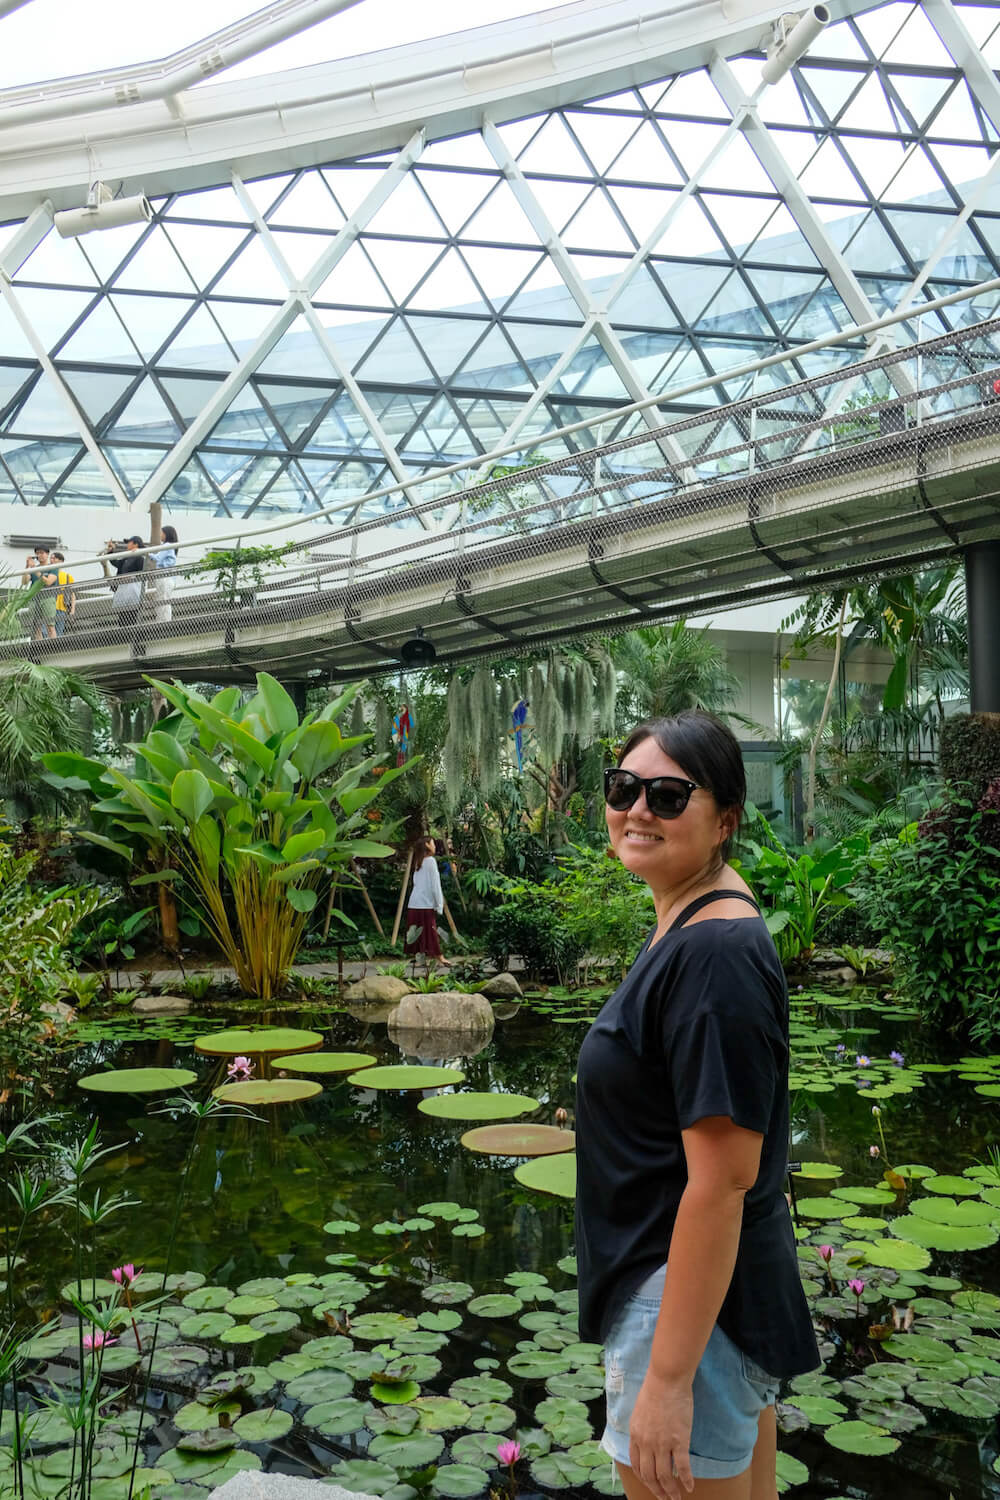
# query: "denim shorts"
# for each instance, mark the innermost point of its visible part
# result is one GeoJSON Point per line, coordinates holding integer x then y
{"type": "Point", "coordinates": [730, 1391]}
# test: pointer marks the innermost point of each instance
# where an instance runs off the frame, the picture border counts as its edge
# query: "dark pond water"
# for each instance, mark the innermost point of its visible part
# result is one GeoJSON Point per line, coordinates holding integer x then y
{"type": "Point", "coordinates": [233, 1200]}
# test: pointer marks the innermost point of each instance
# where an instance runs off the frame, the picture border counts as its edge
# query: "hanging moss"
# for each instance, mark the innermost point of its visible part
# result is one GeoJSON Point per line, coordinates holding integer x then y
{"type": "Point", "coordinates": [505, 703]}
{"type": "Point", "coordinates": [606, 685]}
{"type": "Point", "coordinates": [550, 720]}
{"type": "Point", "coordinates": [383, 726]}
{"type": "Point", "coordinates": [584, 702]}
{"type": "Point", "coordinates": [358, 723]}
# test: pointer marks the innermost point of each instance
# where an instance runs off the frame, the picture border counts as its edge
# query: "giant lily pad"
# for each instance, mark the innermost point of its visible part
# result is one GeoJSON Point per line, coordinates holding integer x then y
{"type": "Point", "coordinates": [406, 1451]}
{"type": "Point", "coordinates": [818, 1169]}
{"type": "Point", "coordinates": [325, 1062]}
{"type": "Point", "coordinates": [943, 1236]}
{"type": "Point", "coordinates": [259, 1091]}
{"type": "Point", "coordinates": [861, 1437]}
{"type": "Point", "coordinates": [337, 1418]}
{"type": "Point", "coordinates": [264, 1041]}
{"type": "Point", "coordinates": [473, 1106]}
{"type": "Point", "coordinates": [263, 1426]}
{"type": "Point", "coordinates": [406, 1076]}
{"type": "Point", "coordinates": [893, 1255]}
{"type": "Point", "coordinates": [460, 1480]}
{"type": "Point", "coordinates": [550, 1174]}
{"type": "Point", "coordinates": [956, 1187]}
{"type": "Point", "coordinates": [138, 1080]}
{"type": "Point", "coordinates": [519, 1140]}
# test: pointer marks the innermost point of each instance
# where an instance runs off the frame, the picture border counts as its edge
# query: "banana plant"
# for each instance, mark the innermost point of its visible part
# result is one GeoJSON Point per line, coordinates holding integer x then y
{"type": "Point", "coordinates": [241, 800]}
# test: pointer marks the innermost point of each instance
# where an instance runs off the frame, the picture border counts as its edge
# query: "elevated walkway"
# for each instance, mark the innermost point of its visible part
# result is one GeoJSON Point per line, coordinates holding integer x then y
{"type": "Point", "coordinates": [803, 487]}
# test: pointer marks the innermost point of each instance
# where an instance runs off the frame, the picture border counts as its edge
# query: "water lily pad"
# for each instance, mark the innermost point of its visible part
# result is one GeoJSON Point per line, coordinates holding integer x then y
{"type": "Point", "coordinates": [395, 1395]}
{"type": "Point", "coordinates": [325, 1062]}
{"type": "Point", "coordinates": [138, 1080]}
{"type": "Point", "coordinates": [447, 1293]}
{"type": "Point", "coordinates": [818, 1169]}
{"type": "Point", "coordinates": [364, 1476]}
{"type": "Point", "coordinates": [895, 1255]}
{"type": "Point", "coordinates": [245, 1307]}
{"type": "Point", "coordinates": [519, 1140]}
{"type": "Point", "coordinates": [539, 1364]}
{"type": "Point", "coordinates": [966, 1213]}
{"type": "Point", "coordinates": [206, 1325]}
{"type": "Point", "coordinates": [477, 1448]}
{"type": "Point", "coordinates": [790, 1472]}
{"type": "Point", "coordinates": [89, 1289]}
{"type": "Point", "coordinates": [208, 1298]}
{"type": "Point", "coordinates": [267, 1091]}
{"type": "Point", "coordinates": [897, 1416]}
{"type": "Point", "coordinates": [495, 1305]}
{"type": "Point", "coordinates": [943, 1236]}
{"type": "Point", "coordinates": [263, 1426]}
{"type": "Point", "coordinates": [440, 1322]}
{"type": "Point", "coordinates": [956, 1187]}
{"type": "Point", "coordinates": [861, 1437]}
{"type": "Point", "coordinates": [407, 1451]}
{"type": "Point", "coordinates": [241, 1333]}
{"type": "Point", "coordinates": [263, 1041]}
{"type": "Point", "coordinates": [981, 1307]}
{"type": "Point", "coordinates": [474, 1106]}
{"type": "Point", "coordinates": [315, 1386]}
{"type": "Point", "coordinates": [559, 1472]}
{"type": "Point", "coordinates": [194, 1416]}
{"type": "Point", "coordinates": [915, 1171]}
{"type": "Point", "coordinates": [825, 1208]}
{"type": "Point", "coordinates": [406, 1076]}
{"type": "Point", "coordinates": [477, 1388]}
{"type": "Point", "coordinates": [254, 1380]}
{"type": "Point", "coordinates": [555, 1175]}
{"type": "Point", "coordinates": [491, 1416]}
{"type": "Point", "coordinates": [869, 1195]}
{"type": "Point", "coordinates": [211, 1440]}
{"type": "Point", "coordinates": [384, 1325]}
{"type": "Point", "coordinates": [460, 1480]}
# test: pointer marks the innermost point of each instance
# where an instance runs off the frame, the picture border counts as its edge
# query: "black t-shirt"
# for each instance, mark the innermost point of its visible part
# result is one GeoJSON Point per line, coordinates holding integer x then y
{"type": "Point", "coordinates": [699, 1027]}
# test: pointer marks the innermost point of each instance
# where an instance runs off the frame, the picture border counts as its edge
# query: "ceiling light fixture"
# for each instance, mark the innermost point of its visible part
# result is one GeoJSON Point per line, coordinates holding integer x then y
{"type": "Point", "coordinates": [418, 651]}
{"type": "Point", "coordinates": [102, 210]}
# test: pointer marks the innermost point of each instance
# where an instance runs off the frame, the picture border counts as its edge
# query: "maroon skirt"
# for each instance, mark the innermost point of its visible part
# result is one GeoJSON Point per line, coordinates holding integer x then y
{"type": "Point", "coordinates": [426, 940]}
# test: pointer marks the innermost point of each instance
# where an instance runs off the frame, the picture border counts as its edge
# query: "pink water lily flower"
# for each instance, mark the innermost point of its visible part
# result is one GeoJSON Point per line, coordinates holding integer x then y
{"type": "Point", "coordinates": [509, 1452]}
{"type": "Point", "coordinates": [97, 1340]}
{"type": "Point", "coordinates": [126, 1274]}
{"type": "Point", "coordinates": [856, 1286]}
{"type": "Point", "coordinates": [873, 1151]}
{"type": "Point", "coordinates": [826, 1253]}
{"type": "Point", "coordinates": [241, 1068]}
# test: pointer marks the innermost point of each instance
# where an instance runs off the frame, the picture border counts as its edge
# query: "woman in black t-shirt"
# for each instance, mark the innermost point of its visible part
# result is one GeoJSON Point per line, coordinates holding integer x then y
{"type": "Point", "coordinates": [687, 1264]}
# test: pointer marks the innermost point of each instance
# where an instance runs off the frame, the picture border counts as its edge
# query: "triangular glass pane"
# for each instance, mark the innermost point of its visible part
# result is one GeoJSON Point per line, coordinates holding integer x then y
{"type": "Point", "coordinates": [12, 380]}
{"type": "Point", "coordinates": [493, 363]}
{"type": "Point", "coordinates": [351, 185]}
{"type": "Point", "coordinates": [151, 321]}
{"type": "Point", "coordinates": [918, 43]}
{"type": "Point", "coordinates": [295, 407]}
{"type": "Point", "coordinates": [189, 397]}
{"type": "Point", "coordinates": [396, 358]}
{"type": "Point", "coordinates": [106, 251]}
{"type": "Point", "coordinates": [683, 364]}
{"type": "Point", "coordinates": [300, 249]}
{"type": "Point", "coordinates": [500, 272]}
{"type": "Point", "coordinates": [501, 219]}
{"type": "Point", "coordinates": [829, 176]}
{"type": "Point", "coordinates": [264, 190]}
{"type": "Point", "coordinates": [733, 310]}
{"type": "Point", "coordinates": [553, 150]}
{"type": "Point", "coordinates": [883, 294]}
{"type": "Point", "coordinates": [872, 250]}
{"type": "Point", "coordinates": [921, 93]}
{"type": "Point", "coordinates": [200, 344]}
{"type": "Point", "coordinates": [916, 181]}
{"type": "Point", "coordinates": [693, 93]}
{"type": "Point", "coordinates": [627, 102]}
{"type": "Point", "coordinates": [642, 208]}
{"type": "Point", "coordinates": [545, 295]}
{"type": "Point", "coordinates": [101, 337]}
{"type": "Point", "coordinates": [449, 286]}
{"type": "Point", "coordinates": [881, 27]}
{"type": "Point", "coordinates": [309, 205]}
{"type": "Point", "coordinates": [596, 226]}
{"type": "Point", "coordinates": [783, 241]}
{"type": "Point", "coordinates": [9, 492]}
{"type": "Point", "coordinates": [59, 262]}
{"type": "Point", "coordinates": [957, 117]}
{"type": "Point", "coordinates": [642, 304]}
{"type": "Point", "coordinates": [342, 430]}
{"type": "Point", "coordinates": [253, 274]}
{"type": "Point", "coordinates": [869, 110]}
{"type": "Point", "coordinates": [297, 353]}
{"type": "Point", "coordinates": [36, 467]}
{"type": "Point", "coordinates": [247, 491]}
{"type": "Point", "coordinates": [209, 203]}
{"type": "Point", "coordinates": [489, 420]}
{"type": "Point", "coordinates": [878, 161]}
{"type": "Point", "coordinates": [598, 273]}
{"type": "Point", "coordinates": [146, 418]}
{"type": "Point", "coordinates": [12, 339]}
{"type": "Point", "coordinates": [353, 282]}
{"type": "Point", "coordinates": [832, 87]}
{"type": "Point", "coordinates": [439, 436]}
{"type": "Point", "coordinates": [989, 230]}
{"type": "Point", "coordinates": [921, 233]}
{"type": "Point", "coordinates": [134, 466]}
{"type": "Point", "coordinates": [601, 136]}
{"type": "Point", "coordinates": [241, 322]}
{"type": "Point", "coordinates": [461, 151]}
{"type": "Point", "coordinates": [646, 159]}
{"type": "Point", "coordinates": [739, 219]}
{"type": "Point", "coordinates": [246, 424]}
{"type": "Point", "coordinates": [559, 201]}
{"type": "Point", "coordinates": [798, 147]}
{"type": "Point", "coordinates": [406, 211]}
{"type": "Point", "coordinates": [351, 333]}
{"type": "Point", "coordinates": [46, 413]}
{"type": "Point", "coordinates": [402, 265]}
{"type": "Point", "coordinates": [455, 195]}
{"type": "Point", "coordinates": [690, 235]}
{"type": "Point", "coordinates": [204, 249]}
{"type": "Point", "coordinates": [289, 494]}
{"type": "Point", "coordinates": [693, 288]}
{"type": "Point", "coordinates": [51, 312]}
{"type": "Point", "coordinates": [962, 165]}
{"type": "Point", "coordinates": [591, 373]}
{"type": "Point", "coordinates": [446, 342]}
{"type": "Point", "coordinates": [155, 266]}
{"type": "Point", "coordinates": [782, 103]}
{"type": "Point", "coordinates": [691, 142]}
{"type": "Point", "coordinates": [96, 392]}
{"type": "Point", "coordinates": [86, 484]}
{"type": "Point", "coordinates": [785, 293]}
{"type": "Point", "coordinates": [737, 167]}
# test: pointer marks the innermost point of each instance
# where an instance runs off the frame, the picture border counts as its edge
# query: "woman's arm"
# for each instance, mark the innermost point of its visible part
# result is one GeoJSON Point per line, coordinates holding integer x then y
{"type": "Point", "coordinates": [723, 1160]}
{"type": "Point", "coordinates": [436, 890]}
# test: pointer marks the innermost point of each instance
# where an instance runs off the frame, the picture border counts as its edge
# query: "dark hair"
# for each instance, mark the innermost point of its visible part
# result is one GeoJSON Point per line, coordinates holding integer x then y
{"type": "Point", "coordinates": [169, 534]}
{"type": "Point", "coordinates": [707, 751]}
{"type": "Point", "coordinates": [58, 555]}
{"type": "Point", "coordinates": [40, 547]}
{"type": "Point", "coordinates": [424, 845]}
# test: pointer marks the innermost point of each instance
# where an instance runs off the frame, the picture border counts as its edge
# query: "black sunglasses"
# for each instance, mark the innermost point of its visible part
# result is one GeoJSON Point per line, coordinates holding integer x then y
{"type": "Point", "coordinates": [666, 796]}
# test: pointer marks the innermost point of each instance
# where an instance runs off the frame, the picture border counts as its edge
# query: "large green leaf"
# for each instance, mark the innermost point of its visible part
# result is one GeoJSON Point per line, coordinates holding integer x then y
{"type": "Point", "coordinates": [318, 747]}
{"type": "Point", "coordinates": [302, 844]}
{"type": "Point", "coordinates": [279, 711]}
{"type": "Point", "coordinates": [301, 900]}
{"type": "Point", "coordinates": [191, 795]}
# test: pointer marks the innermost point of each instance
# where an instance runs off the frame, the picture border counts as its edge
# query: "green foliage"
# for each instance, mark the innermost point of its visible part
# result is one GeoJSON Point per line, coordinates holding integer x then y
{"type": "Point", "coordinates": [605, 908]}
{"type": "Point", "coordinates": [970, 751]}
{"type": "Point", "coordinates": [237, 798]}
{"type": "Point", "coordinates": [664, 671]}
{"type": "Point", "coordinates": [241, 569]}
{"type": "Point", "coordinates": [34, 970]}
{"type": "Point", "coordinates": [795, 890]}
{"type": "Point", "coordinates": [934, 892]}
{"type": "Point", "coordinates": [531, 923]}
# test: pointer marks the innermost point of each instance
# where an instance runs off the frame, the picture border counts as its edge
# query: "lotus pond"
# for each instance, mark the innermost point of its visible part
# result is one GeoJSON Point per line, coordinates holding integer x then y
{"type": "Point", "coordinates": [333, 1283]}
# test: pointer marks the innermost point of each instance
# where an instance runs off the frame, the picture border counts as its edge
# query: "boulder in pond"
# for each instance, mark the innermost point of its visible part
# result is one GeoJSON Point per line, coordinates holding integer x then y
{"type": "Point", "coordinates": [446, 1010]}
{"type": "Point", "coordinates": [377, 989]}
{"type": "Point", "coordinates": [161, 1005]}
{"type": "Point", "coordinates": [502, 987]}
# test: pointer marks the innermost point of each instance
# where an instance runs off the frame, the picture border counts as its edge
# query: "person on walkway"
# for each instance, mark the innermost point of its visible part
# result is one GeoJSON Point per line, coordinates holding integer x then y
{"type": "Point", "coordinates": [126, 586]}
{"type": "Point", "coordinates": [165, 560]}
{"type": "Point", "coordinates": [426, 904]}
{"type": "Point", "coordinates": [66, 597]}
{"type": "Point", "coordinates": [688, 1272]}
{"type": "Point", "coordinates": [38, 570]}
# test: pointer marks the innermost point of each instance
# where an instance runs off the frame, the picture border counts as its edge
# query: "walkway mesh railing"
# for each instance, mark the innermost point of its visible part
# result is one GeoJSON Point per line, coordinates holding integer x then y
{"type": "Point", "coordinates": [860, 464]}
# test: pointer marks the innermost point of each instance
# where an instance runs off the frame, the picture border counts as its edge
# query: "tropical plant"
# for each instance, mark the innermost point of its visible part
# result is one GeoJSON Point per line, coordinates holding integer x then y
{"type": "Point", "coordinates": [795, 890]}
{"type": "Point", "coordinates": [237, 797]}
{"type": "Point", "coordinates": [241, 570]}
{"type": "Point", "coordinates": [607, 909]}
{"type": "Point", "coordinates": [531, 924]}
{"type": "Point", "coordinates": [664, 670]}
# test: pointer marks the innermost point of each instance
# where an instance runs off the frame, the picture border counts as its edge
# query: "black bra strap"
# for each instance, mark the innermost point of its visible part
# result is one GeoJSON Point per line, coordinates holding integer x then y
{"type": "Point", "coordinates": [706, 900]}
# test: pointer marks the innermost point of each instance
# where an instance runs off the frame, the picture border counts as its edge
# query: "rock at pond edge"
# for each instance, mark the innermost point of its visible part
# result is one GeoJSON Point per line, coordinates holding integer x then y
{"type": "Point", "coordinates": [377, 989]}
{"type": "Point", "coordinates": [446, 1010]}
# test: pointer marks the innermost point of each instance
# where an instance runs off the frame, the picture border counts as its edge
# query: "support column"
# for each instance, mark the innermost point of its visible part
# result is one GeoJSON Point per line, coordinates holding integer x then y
{"type": "Point", "coordinates": [982, 592]}
{"type": "Point", "coordinates": [297, 692]}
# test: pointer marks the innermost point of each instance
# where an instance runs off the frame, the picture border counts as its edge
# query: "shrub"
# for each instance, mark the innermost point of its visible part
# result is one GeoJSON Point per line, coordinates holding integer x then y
{"type": "Point", "coordinates": [970, 751]}
{"type": "Point", "coordinates": [606, 909]}
{"type": "Point", "coordinates": [934, 892]}
{"type": "Point", "coordinates": [530, 923]}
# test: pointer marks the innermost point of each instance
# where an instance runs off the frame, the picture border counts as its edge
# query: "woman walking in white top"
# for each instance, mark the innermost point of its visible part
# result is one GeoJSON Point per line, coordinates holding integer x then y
{"type": "Point", "coordinates": [165, 560]}
{"type": "Point", "coordinates": [426, 902]}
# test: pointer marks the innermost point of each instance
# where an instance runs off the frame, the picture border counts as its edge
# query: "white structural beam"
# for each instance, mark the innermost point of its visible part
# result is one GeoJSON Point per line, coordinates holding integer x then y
{"type": "Point", "coordinates": [955, 35]}
{"type": "Point", "coordinates": [365, 104]}
{"type": "Point", "coordinates": [181, 453]}
{"type": "Point", "coordinates": [25, 239]}
{"type": "Point", "coordinates": [323, 338]}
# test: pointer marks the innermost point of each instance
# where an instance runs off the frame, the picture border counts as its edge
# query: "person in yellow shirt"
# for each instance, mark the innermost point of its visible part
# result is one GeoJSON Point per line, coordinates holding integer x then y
{"type": "Point", "coordinates": [66, 597]}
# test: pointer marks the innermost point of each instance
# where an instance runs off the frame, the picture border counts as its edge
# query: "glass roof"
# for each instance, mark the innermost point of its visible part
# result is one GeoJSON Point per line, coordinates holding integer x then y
{"type": "Point", "coordinates": [514, 281]}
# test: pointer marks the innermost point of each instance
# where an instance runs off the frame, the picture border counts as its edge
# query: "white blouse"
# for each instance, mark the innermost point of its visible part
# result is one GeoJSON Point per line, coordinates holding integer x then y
{"type": "Point", "coordinates": [427, 892]}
